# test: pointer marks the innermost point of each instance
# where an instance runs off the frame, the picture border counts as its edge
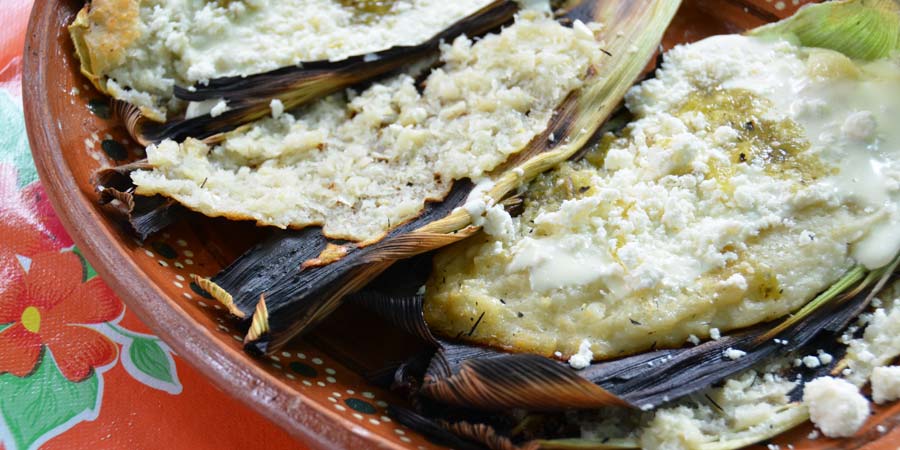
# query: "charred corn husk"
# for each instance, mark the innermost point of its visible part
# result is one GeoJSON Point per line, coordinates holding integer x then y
{"type": "Point", "coordinates": [142, 216]}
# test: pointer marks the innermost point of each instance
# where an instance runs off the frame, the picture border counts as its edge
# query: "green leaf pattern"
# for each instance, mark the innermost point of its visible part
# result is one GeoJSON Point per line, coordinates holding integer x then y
{"type": "Point", "coordinates": [43, 405]}
{"type": "Point", "coordinates": [150, 359]}
{"type": "Point", "coordinates": [88, 270]}
{"type": "Point", "coordinates": [147, 360]}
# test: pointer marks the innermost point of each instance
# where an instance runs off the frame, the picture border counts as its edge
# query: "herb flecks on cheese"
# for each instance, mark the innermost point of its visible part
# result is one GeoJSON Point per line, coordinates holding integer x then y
{"type": "Point", "coordinates": [755, 174]}
{"type": "Point", "coordinates": [363, 162]}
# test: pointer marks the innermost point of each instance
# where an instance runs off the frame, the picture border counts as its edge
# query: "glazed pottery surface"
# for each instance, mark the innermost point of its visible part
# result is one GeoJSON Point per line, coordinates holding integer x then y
{"type": "Point", "coordinates": [316, 387]}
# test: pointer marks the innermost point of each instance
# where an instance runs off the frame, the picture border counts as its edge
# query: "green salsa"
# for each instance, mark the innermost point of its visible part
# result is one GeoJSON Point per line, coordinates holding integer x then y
{"type": "Point", "coordinates": [366, 11]}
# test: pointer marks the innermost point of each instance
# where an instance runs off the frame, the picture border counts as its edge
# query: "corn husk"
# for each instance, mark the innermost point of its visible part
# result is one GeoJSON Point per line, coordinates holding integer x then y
{"type": "Point", "coordinates": [431, 428]}
{"type": "Point", "coordinates": [860, 29]}
{"type": "Point", "coordinates": [141, 216]}
{"type": "Point", "coordinates": [303, 275]}
{"type": "Point", "coordinates": [249, 97]}
{"type": "Point", "coordinates": [405, 311]}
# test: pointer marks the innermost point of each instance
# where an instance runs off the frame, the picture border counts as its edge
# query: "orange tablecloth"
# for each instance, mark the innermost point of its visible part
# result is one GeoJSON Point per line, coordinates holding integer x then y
{"type": "Point", "coordinates": [77, 369]}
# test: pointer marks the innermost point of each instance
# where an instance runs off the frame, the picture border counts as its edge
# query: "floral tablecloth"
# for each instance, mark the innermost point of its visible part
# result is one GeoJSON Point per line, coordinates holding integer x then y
{"type": "Point", "coordinates": [77, 369]}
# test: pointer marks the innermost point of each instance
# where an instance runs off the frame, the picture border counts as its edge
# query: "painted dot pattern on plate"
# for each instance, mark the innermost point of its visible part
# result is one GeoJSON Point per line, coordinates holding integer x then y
{"type": "Point", "coordinates": [309, 370]}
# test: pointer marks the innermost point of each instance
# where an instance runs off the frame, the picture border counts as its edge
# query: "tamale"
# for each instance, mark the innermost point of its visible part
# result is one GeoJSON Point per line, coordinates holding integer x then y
{"type": "Point", "coordinates": [139, 51]}
{"type": "Point", "coordinates": [757, 172]}
{"type": "Point", "coordinates": [256, 96]}
{"type": "Point", "coordinates": [358, 164]}
{"type": "Point", "coordinates": [648, 379]}
{"type": "Point", "coordinates": [759, 399]}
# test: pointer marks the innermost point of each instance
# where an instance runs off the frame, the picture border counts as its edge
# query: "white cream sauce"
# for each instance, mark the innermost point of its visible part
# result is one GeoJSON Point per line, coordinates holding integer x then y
{"type": "Point", "coordinates": [850, 117]}
{"type": "Point", "coordinates": [854, 125]}
{"type": "Point", "coordinates": [859, 132]}
{"type": "Point", "coordinates": [560, 261]}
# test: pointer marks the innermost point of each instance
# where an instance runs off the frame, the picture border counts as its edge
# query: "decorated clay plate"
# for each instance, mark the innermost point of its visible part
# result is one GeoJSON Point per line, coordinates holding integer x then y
{"type": "Point", "coordinates": [315, 387]}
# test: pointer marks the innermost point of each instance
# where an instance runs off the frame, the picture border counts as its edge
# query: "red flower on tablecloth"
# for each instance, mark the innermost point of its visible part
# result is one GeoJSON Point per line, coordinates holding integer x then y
{"type": "Point", "coordinates": [48, 306]}
{"type": "Point", "coordinates": [36, 197]}
{"type": "Point", "coordinates": [21, 233]}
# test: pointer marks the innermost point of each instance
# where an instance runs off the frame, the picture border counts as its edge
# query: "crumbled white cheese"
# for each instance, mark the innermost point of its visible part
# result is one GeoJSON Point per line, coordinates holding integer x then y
{"type": "Point", "coordinates": [582, 29]}
{"type": "Point", "coordinates": [584, 356]}
{"type": "Point", "coordinates": [693, 339]}
{"type": "Point", "coordinates": [277, 108]}
{"type": "Point", "coordinates": [197, 109]}
{"type": "Point", "coordinates": [885, 384]}
{"type": "Point", "coordinates": [737, 281]}
{"type": "Point", "coordinates": [811, 361]}
{"type": "Point", "coordinates": [835, 406]}
{"type": "Point", "coordinates": [498, 223]}
{"type": "Point", "coordinates": [476, 208]}
{"type": "Point", "coordinates": [733, 353]}
{"type": "Point", "coordinates": [880, 342]}
{"type": "Point", "coordinates": [478, 202]}
{"type": "Point", "coordinates": [715, 334]}
{"type": "Point", "coordinates": [747, 405]}
{"type": "Point", "coordinates": [219, 108]}
{"type": "Point", "coordinates": [825, 358]}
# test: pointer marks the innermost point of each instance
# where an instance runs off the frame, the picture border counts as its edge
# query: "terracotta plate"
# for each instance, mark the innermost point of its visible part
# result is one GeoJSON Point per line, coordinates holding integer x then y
{"type": "Point", "coordinates": [315, 388]}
